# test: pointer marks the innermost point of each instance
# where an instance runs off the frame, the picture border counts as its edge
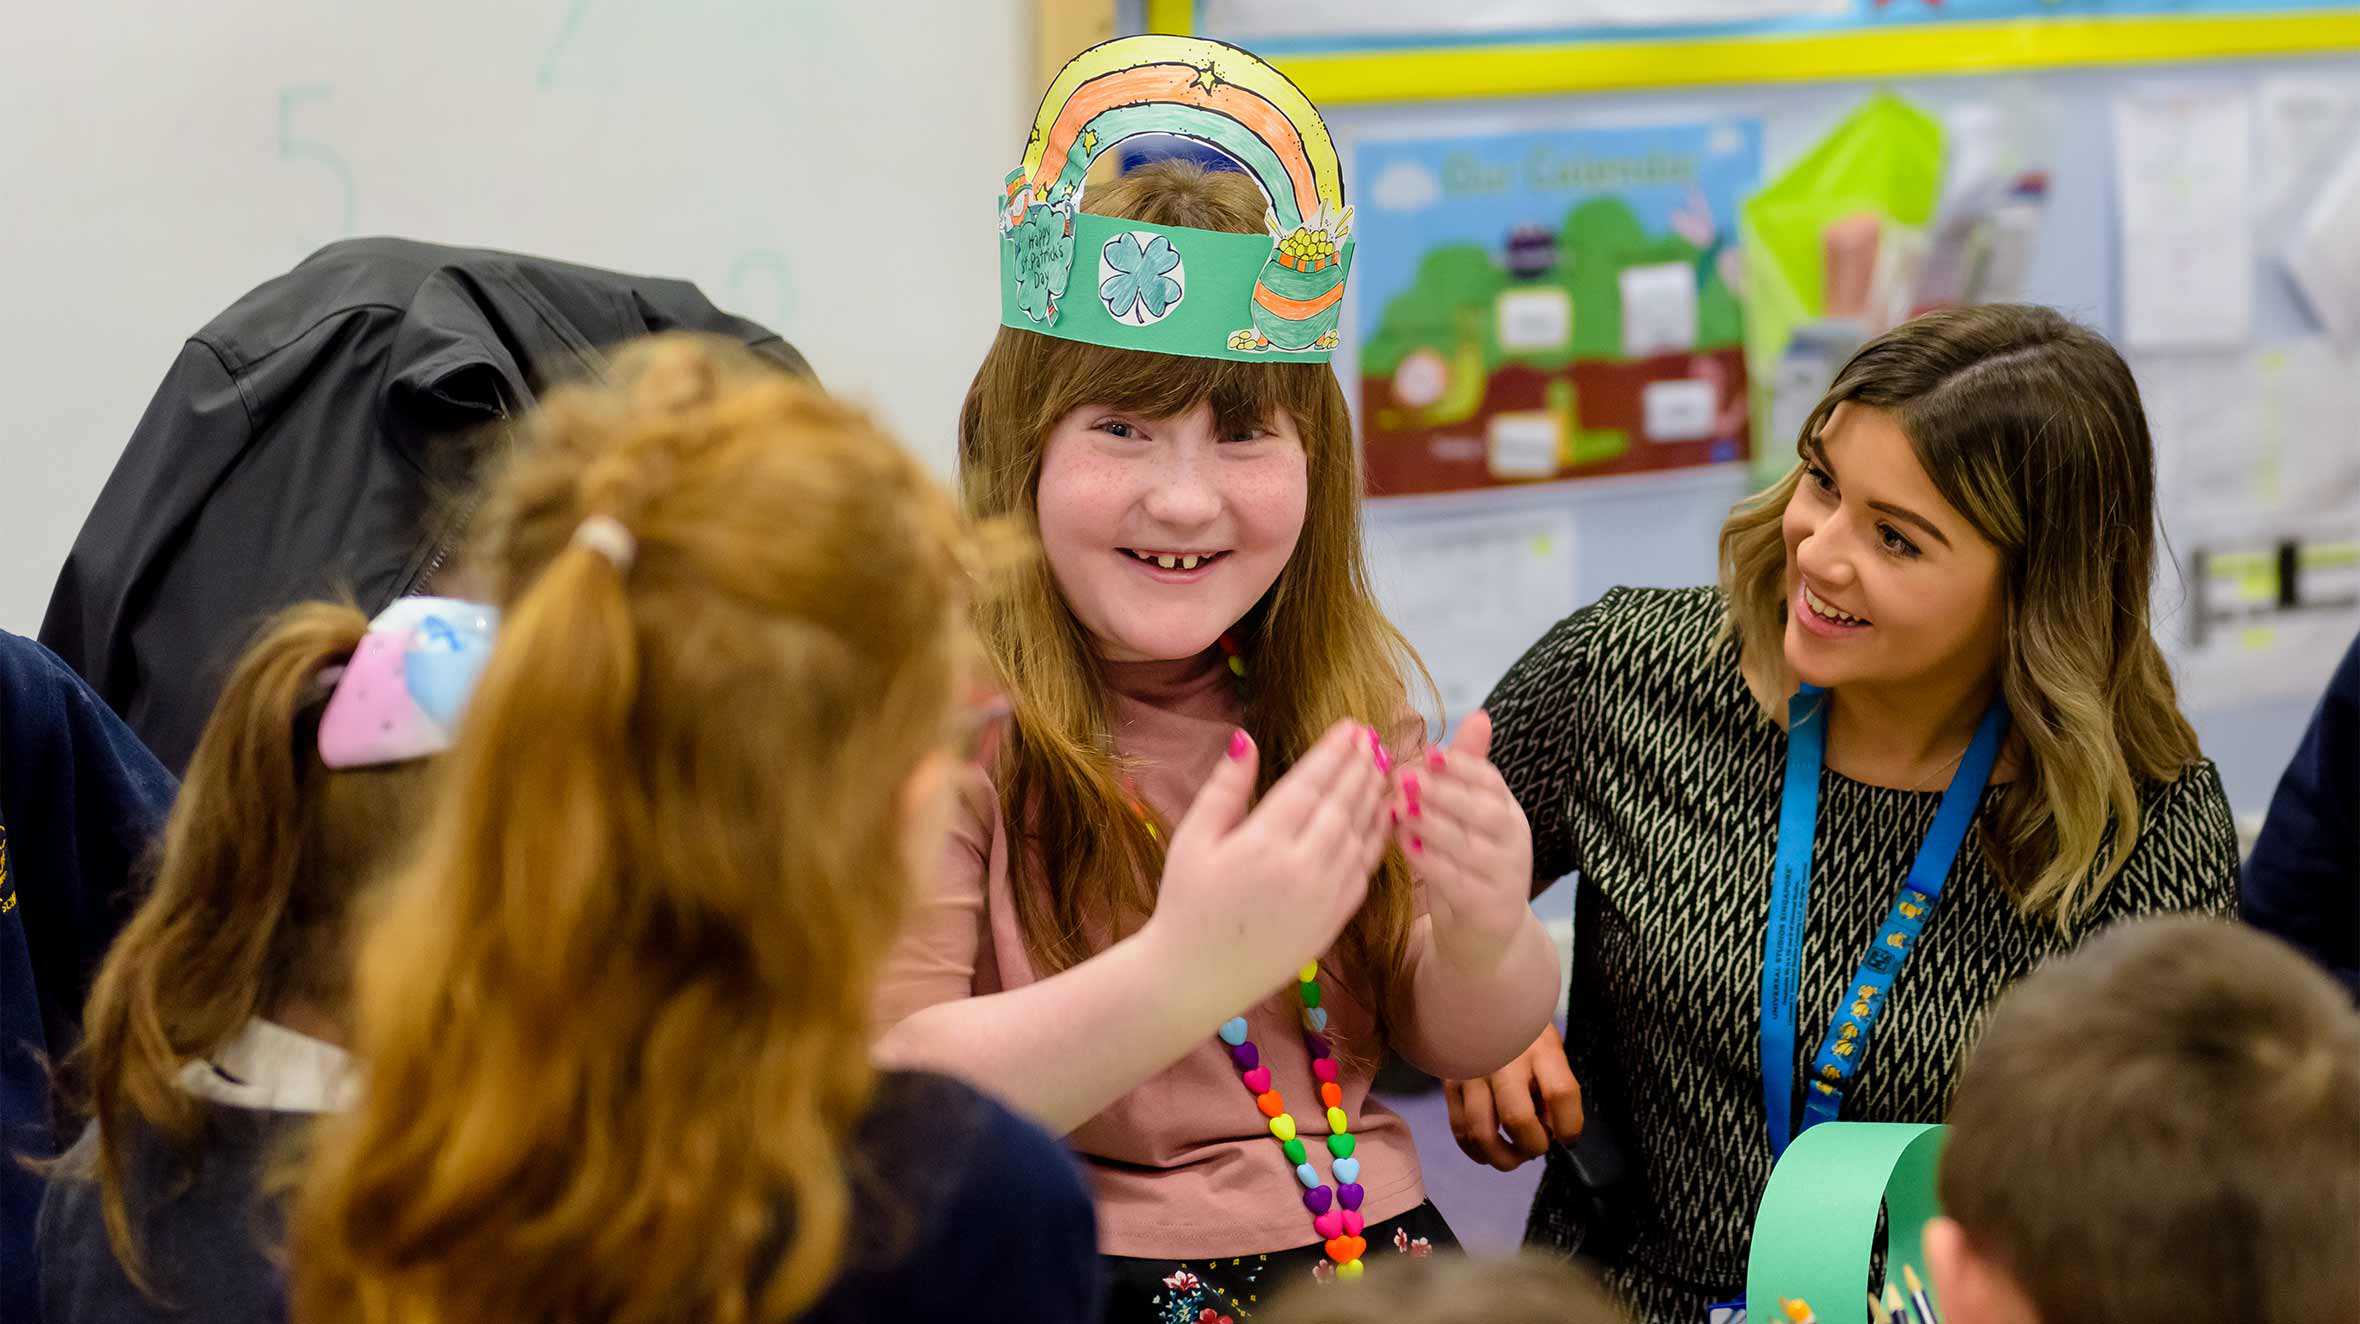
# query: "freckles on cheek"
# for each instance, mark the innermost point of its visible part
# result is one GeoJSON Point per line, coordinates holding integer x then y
{"type": "Point", "coordinates": [1271, 499]}
{"type": "Point", "coordinates": [1077, 500]}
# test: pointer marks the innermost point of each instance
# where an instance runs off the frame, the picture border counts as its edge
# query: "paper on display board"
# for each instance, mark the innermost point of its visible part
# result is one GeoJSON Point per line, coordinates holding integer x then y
{"type": "Point", "coordinates": [1473, 592]}
{"type": "Point", "coordinates": [2183, 158]}
{"type": "Point", "coordinates": [2324, 255]}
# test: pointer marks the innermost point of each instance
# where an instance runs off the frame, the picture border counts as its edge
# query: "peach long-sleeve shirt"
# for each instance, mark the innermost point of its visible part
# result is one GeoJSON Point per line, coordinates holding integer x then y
{"type": "Point", "coordinates": [1183, 1166]}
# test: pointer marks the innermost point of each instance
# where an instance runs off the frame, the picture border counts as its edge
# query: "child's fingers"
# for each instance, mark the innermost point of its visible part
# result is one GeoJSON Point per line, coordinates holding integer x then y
{"type": "Point", "coordinates": [1338, 825]}
{"type": "Point", "coordinates": [1472, 739]}
{"type": "Point", "coordinates": [1481, 775]}
{"type": "Point", "coordinates": [1222, 802]}
{"type": "Point", "coordinates": [1314, 777]}
{"type": "Point", "coordinates": [1371, 784]}
{"type": "Point", "coordinates": [1379, 835]}
{"type": "Point", "coordinates": [1454, 882]}
{"type": "Point", "coordinates": [1327, 828]}
{"type": "Point", "coordinates": [1476, 811]}
{"type": "Point", "coordinates": [1450, 763]}
{"type": "Point", "coordinates": [1435, 840]}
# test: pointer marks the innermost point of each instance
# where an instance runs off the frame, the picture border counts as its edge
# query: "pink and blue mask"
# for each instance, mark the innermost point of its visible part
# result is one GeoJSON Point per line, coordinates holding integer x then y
{"type": "Point", "coordinates": [402, 694]}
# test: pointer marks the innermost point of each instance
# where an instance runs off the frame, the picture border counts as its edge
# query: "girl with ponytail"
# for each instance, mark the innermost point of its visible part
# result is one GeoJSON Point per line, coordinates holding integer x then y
{"type": "Point", "coordinates": [616, 1012]}
{"type": "Point", "coordinates": [216, 1025]}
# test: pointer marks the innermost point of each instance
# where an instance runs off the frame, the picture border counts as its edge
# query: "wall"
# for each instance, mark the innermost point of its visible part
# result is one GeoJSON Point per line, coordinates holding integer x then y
{"type": "Point", "coordinates": [808, 164]}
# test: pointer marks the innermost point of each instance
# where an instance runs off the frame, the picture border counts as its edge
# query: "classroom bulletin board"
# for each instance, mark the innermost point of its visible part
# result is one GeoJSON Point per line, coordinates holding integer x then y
{"type": "Point", "coordinates": [1610, 248]}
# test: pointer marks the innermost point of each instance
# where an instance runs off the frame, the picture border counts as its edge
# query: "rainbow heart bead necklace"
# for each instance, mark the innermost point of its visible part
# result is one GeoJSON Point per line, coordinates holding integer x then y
{"type": "Point", "coordinates": [1335, 1210]}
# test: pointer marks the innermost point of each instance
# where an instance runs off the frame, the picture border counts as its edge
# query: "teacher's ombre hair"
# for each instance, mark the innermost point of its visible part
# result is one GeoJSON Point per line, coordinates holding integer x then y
{"type": "Point", "coordinates": [1317, 647]}
{"type": "Point", "coordinates": [2030, 427]}
{"type": "Point", "coordinates": [614, 1020]}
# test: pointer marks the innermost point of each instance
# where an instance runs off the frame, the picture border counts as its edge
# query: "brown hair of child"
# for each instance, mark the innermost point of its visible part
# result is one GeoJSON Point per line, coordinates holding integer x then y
{"type": "Point", "coordinates": [1528, 1288]}
{"type": "Point", "coordinates": [615, 1014]}
{"type": "Point", "coordinates": [2164, 1125]}
{"type": "Point", "coordinates": [264, 854]}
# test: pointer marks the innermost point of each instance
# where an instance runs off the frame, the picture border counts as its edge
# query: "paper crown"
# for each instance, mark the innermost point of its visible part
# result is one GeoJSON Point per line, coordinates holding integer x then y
{"type": "Point", "coordinates": [401, 695]}
{"type": "Point", "coordinates": [1167, 288]}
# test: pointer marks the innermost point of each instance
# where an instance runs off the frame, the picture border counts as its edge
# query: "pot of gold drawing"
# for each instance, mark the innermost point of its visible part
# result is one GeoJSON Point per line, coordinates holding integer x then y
{"type": "Point", "coordinates": [1300, 294]}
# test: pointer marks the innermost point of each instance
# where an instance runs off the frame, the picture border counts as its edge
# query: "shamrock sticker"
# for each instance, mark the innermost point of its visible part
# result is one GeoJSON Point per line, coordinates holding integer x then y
{"type": "Point", "coordinates": [1043, 245]}
{"type": "Point", "coordinates": [1141, 278]}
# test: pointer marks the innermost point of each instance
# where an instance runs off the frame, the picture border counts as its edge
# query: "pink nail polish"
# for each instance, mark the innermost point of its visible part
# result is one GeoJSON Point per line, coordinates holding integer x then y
{"type": "Point", "coordinates": [1409, 786]}
{"type": "Point", "coordinates": [1239, 743]}
{"type": "Point", "coordinates": [1395, 815]}
{"type": "Point", "coordinates": [1434, 759]}
{"type": "Point", "coordinates": [1417, 845]}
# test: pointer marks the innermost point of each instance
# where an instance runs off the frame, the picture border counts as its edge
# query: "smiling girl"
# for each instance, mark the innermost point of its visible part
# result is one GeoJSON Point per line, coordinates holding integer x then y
{"type": "Point", "coordinates": [1919, 739]}
{"type": "Point", "coordinates": [1194, 988]}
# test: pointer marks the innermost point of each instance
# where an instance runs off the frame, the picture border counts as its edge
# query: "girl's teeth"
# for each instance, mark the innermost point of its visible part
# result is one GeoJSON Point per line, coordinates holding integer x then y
{"type": "Point", "coordinates": [1189, 562]}
{"type": "Point", "coordinates": [1167, 562]}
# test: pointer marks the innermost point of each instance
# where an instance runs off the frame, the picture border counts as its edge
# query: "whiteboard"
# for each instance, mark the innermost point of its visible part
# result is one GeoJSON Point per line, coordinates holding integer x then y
{"type": "Point", "coordinates": [821, 166]}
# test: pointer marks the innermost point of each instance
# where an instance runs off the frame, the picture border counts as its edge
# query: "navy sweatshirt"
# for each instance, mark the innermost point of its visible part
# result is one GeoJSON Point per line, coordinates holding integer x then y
{"type": "Point", "coordinates": [960, 1210]}
{"type": "Point", "coordinates": [2303, 882]}
{"type": "Point", "coordinates": [80, 800]}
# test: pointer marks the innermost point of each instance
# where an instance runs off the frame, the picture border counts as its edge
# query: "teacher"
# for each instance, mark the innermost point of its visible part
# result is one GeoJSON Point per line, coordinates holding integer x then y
{"type": "Point", "coordinates": [1918, 739]}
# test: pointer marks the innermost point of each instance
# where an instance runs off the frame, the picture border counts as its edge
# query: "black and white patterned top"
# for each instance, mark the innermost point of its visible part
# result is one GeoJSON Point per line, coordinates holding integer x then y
{"type": "Point", "coordinates": [1645, 766]}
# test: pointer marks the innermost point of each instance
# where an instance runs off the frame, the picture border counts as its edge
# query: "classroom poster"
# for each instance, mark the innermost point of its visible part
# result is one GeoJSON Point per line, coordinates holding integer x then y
{"type": "Point", "coordinates": [1558, 305]}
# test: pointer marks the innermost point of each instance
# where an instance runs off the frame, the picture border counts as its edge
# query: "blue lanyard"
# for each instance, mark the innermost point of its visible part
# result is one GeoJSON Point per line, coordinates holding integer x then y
{"type": "Point", "coordinates": [1846, 1044]}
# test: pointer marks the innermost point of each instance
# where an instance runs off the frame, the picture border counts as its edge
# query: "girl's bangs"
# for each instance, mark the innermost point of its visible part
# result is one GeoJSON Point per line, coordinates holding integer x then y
{"type": "Point", "coordinates": [1242, 395]}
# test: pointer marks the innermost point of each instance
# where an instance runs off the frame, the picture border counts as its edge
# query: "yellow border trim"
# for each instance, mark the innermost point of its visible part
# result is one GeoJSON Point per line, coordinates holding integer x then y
{"type": "Point", "coordinates": [1561, 68]}
{"type": "Point", "coordinates": [1175, 16]}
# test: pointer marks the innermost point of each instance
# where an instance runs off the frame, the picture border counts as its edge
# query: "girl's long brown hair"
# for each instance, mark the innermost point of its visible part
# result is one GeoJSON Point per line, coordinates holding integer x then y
{"type": "Point", "coordinates": [264, 852]}
{"type": "Point", "coordinates": [2030, 427]}
{"type": "Point", "coordinates": [616, 1016]}
{"type": "Point", "coordinates": [1318, 648]}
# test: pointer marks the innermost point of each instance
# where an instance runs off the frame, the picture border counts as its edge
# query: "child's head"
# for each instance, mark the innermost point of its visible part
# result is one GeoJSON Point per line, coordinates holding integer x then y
{"type": "Point", "coordinates": [1121, 454]}
{"type": "Point", "coordinates": [616, 1016]}
{"type": "Point", "coordinates": [1529, 1288]}
{"type": "Point", "coordinates": [2164, 1125]}
{"type": "Point", "coordinates": [1115, 455]}
{"type": "Point", "coordinates": [268, 847]}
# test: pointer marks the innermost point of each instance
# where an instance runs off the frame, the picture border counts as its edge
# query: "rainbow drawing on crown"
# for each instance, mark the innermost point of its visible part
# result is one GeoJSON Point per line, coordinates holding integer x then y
{"type": "Point", "coordinates": [1166, 288]}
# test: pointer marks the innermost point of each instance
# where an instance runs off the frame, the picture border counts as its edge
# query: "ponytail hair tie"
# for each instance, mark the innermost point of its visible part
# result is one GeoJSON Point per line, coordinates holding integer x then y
{"type": "Point", "coordinates": [409, 679]}
{"type": "Point", "coordinates": [605, 535]}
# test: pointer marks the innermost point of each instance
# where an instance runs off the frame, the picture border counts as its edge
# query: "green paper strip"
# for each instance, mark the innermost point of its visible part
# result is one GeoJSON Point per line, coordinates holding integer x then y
{"type": "Point", "coordinates": [1815, 1232]}
{"type": "Point", "coordinates": [1219, 271]}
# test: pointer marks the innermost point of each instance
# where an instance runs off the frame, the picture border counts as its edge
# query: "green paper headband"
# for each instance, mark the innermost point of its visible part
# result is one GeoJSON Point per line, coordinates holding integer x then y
{"type": "Point", "coordinates": [1167, 288]}
{"type": "Point", "coordinates": [1815, 1231]}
